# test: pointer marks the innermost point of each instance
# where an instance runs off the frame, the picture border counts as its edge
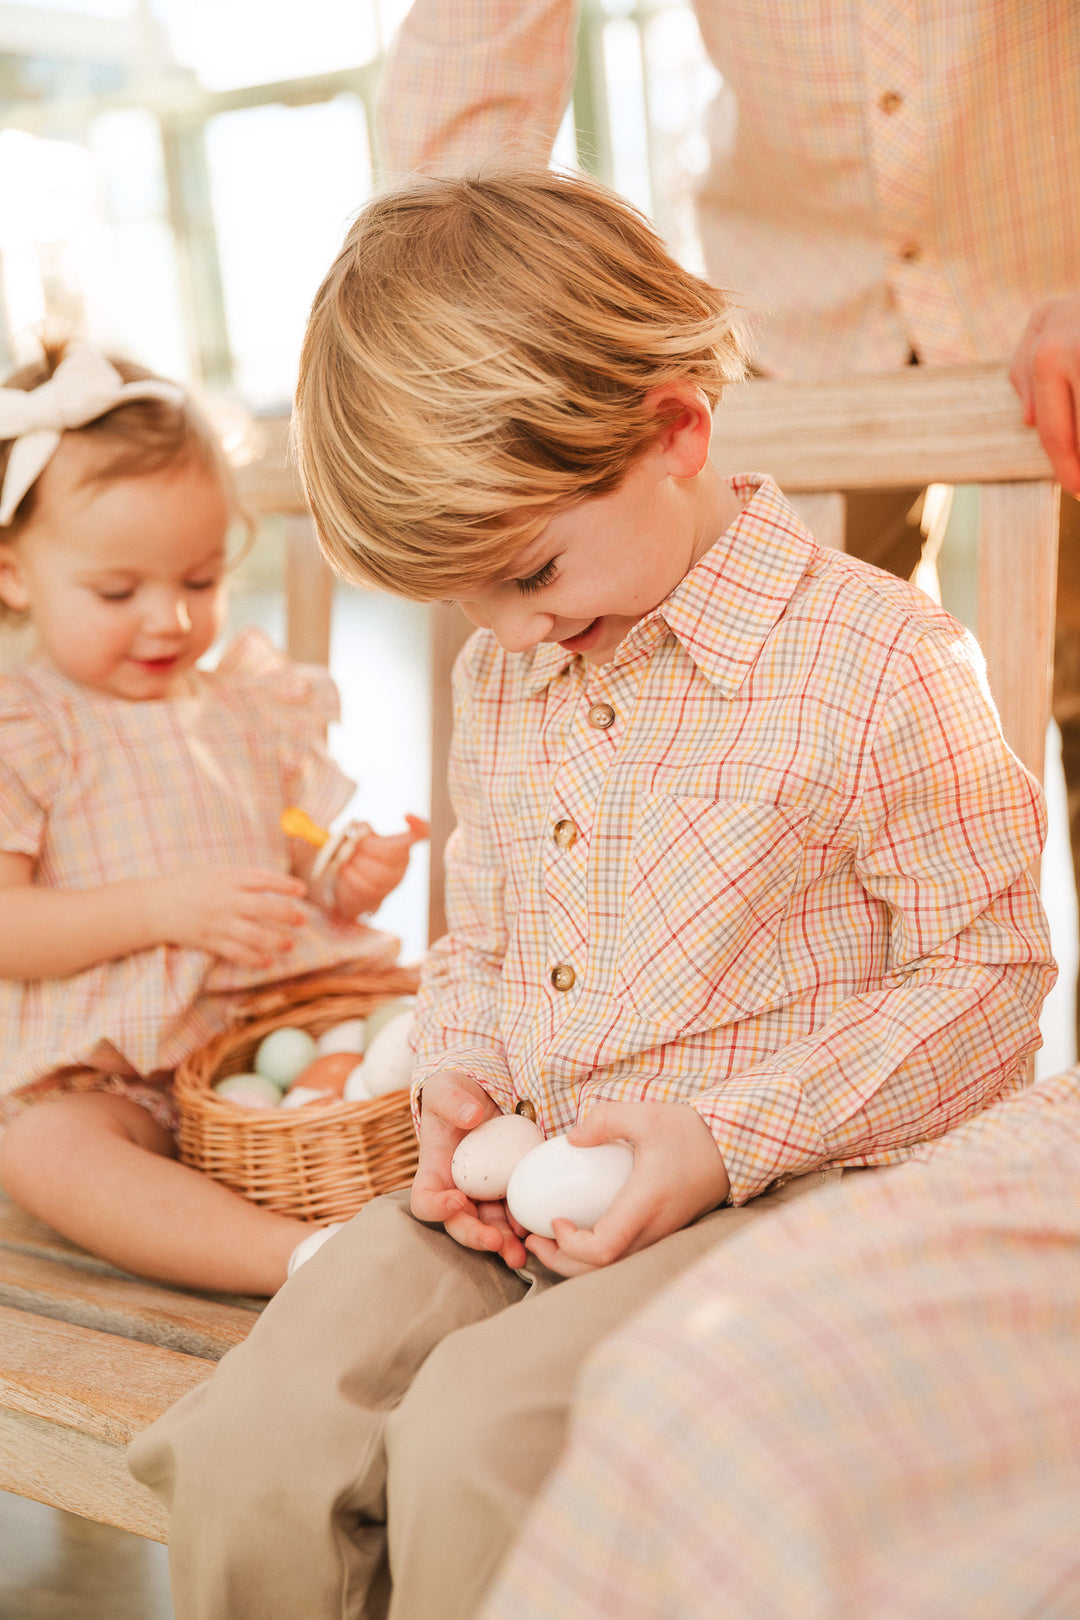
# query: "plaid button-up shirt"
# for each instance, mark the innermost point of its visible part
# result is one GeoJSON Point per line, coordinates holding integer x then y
{"type": "Point", "coordinates": [770, 861]}
{"type": "Point", "coordinates": [884, 177]}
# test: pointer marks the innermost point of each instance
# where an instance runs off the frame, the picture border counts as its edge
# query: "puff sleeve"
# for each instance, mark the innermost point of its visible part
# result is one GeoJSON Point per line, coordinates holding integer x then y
{"type": "Point", "coordinates": [293, 703]}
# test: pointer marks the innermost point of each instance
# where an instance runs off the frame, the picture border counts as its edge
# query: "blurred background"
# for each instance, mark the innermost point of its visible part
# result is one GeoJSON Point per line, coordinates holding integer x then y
{"type": "Point", "coordinates": [175, 177]}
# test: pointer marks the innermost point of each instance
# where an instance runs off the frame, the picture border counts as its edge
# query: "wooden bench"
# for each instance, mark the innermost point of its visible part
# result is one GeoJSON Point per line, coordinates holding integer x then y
{"type": "Point", "coordinates": [88, 1356]}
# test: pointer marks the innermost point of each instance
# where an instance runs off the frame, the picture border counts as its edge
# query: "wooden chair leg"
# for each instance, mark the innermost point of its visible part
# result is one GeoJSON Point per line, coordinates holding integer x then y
{"type": "Point", "coordinates": [825, 515]}
{"type": "Point", "coordinates": [449, 632]}
{"type": "Point", "coordinates": [1018, 537]}
{"type": "Point", "coordinates": [309, 593]}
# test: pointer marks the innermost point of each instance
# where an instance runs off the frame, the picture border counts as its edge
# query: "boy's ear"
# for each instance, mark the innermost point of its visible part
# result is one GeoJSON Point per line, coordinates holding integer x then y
{"type": "Point", "coordinates": [13, 591]}
{"type": "Point", "coordinates": [686, 434]}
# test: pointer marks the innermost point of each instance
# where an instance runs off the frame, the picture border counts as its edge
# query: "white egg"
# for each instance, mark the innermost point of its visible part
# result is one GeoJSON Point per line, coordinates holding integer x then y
{"type": "Point", "coordinates": [283, 1053]}
{"type": "Point", "coordinates": [297, 1096]}
{"type": "Point", "coordinates": [249, 1091]}
{"type": "Point", "coordinates": [354, 1089]}
{"type": "Point", "coordinates": [559, 1180]}
{"type": "Point", "coordinates": [388, 1062]}
{"type": "Point", "coordinates": [485, 1159]}
{"type": "Point", "coordinates": [386, 1014]}
{"type": "Point", "coordinates": [345, 1037]}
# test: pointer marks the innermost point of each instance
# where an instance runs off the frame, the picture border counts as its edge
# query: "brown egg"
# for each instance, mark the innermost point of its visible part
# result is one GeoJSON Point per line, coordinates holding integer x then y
{"type": "Point", "coordinates": [328, 1073]}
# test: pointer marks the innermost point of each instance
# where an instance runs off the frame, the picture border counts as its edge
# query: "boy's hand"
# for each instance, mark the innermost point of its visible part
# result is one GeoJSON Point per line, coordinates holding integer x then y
{"type": "Point", "coordinates": [453, 1104]}
{"type": "Point", "coordinates": [678, 1174]}
{"type": "Point", "coordinates": [244, 914]}
{"type": "Point", "coordinates": [376, 866]}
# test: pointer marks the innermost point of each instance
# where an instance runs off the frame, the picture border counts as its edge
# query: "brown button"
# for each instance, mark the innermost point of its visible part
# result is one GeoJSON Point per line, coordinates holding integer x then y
{"type": "Point", "coordinates": [526, 1109]}
{"type": "Point", "coordinates": [563, 976]}
{"type": "Point", "coordinates": [565, 833]}
{"type": "Point", "coordinates": [911, 251]}
{"type": "Point", "coordinates": [601, 715]}
{"type": "Point", "coordinates": [890, 101]}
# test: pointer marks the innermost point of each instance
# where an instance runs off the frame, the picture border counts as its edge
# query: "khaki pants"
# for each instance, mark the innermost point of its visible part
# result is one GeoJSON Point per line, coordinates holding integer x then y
{"type": "Point", "coordinates": [373, 1446]}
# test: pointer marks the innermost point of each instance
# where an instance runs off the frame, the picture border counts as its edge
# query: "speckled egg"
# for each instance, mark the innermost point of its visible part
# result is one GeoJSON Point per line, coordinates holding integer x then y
{"type": "Point", "coordinates": [485, 1159]}
{"type": "Point", "coordinates": [283, 1053]}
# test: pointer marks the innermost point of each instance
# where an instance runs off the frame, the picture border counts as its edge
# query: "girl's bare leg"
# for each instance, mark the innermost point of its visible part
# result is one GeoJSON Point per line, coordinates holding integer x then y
{"type": "Point", "coordinates": [101, 1170]}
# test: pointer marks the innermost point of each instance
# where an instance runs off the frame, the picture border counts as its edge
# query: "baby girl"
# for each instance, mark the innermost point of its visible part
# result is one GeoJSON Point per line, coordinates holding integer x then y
{"type": "Point", "coordinates": [144, 876]}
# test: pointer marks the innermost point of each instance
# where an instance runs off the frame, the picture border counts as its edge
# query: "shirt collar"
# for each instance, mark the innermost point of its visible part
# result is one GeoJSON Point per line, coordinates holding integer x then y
{"type": "Point", "coordinates": [724, 608]}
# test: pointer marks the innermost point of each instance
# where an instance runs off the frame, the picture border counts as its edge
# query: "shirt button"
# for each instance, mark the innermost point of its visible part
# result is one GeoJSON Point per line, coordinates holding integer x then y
{"type": "Point", "coordinates": [601, 715]}
{"type": "Point", "coordinates": [911, 251]}
{"type": "Point", "coordinates": [890, 101]}
{"type": "Point", "coordinates": [563, 976]}
{"type": "Point", "coordinates": [526, 1109]}
{"type": "Point", "coordinates": [565, 833]}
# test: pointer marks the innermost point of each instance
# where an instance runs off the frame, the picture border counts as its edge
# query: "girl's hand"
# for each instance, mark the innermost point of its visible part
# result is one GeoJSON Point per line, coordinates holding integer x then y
{"type": "Point", "coordinates": [376, 866]}
{"type": "Point", "coordinates": [453, 1104]}
{"type": "Point", "coordinates": [244, 914]}
{"type": "Point", "coordinates": [678, 1174]}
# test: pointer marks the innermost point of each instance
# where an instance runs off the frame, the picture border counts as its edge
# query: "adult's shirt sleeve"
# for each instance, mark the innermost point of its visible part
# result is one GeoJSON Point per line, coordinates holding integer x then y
{"type": "Point", "coordinates": [469, 83]}
{"type": "Point", "coordinates": [949, 824]}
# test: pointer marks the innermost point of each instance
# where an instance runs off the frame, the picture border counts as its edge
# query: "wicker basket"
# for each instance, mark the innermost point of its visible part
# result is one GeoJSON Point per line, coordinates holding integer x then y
{"type": "Point", "coordinates": [320, 1162]}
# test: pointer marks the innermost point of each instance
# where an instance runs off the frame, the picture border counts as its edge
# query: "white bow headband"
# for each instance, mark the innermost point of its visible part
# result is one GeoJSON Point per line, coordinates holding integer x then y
{"type": "Point", "coordinates": [83, 387]}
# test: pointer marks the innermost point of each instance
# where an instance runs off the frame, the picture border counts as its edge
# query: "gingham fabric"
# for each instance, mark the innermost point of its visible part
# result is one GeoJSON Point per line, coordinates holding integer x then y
{"type": "Point", "coordinates": [778, 849]}
{"type": "Point", "coordinates": [886, 177]}
{"type": "Point", "coordinates": [99, 790]}
{"type": "Point", "coordinates": [866, 1406]}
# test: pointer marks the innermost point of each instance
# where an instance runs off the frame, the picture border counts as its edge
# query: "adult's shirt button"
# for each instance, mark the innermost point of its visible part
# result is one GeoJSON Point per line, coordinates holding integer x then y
{"type": "Point", "coordinates": [565, 833]}
{"type": "Point", "coordinates": [890, 101]}
{"type": "Point", "coordinates": [563, 976]}
{"type": "Point", "coordinates": [526, 1109]}
{"type": "Point", "coordinates": [601, 715]}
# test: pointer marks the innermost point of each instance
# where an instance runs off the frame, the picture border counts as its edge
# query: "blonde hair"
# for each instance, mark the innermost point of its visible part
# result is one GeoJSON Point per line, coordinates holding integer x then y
{"type": "Point", "coordinates": [137, 437]}
{"type": "Point", "coordinates": [479, 356]}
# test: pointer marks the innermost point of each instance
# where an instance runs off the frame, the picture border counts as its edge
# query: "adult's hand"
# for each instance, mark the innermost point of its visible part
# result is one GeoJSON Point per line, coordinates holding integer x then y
{"type": "Point", "coordinates": [1046, 374]}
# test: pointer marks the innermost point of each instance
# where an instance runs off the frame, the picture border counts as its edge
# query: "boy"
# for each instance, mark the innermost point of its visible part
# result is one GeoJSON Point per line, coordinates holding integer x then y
{"type": "Point", "coordinates": [739, 877]}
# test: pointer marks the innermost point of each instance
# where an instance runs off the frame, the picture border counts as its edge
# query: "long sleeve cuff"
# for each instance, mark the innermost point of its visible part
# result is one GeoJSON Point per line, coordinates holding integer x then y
{"type": "Point", "coordinates": [480, 1063]}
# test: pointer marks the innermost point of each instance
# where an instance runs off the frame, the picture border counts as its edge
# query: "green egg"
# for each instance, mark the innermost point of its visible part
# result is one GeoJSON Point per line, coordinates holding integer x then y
{"type": "Point", "coordinates": [283, 1054]}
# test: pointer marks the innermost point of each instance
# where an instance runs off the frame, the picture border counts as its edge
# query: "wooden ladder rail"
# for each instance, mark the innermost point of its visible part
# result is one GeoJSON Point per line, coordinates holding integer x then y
{"type": "Point", "coordinates": [925, 426]}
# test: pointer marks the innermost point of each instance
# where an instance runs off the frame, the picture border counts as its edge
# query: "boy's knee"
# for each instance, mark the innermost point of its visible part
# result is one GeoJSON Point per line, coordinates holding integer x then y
{"type": "Point", "coordinates": [467, 1431]}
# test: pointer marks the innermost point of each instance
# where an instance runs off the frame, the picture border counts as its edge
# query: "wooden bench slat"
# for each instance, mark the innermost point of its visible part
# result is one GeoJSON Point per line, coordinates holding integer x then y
{"type": "Point", "coordinates": [71, 1399]}
{"type": "Point", "coordinates": [78, 1473]}
{"type": "Point", "coordinates": [87, 1380]}
{"type": "Point", "coordinates": [123, 1306]}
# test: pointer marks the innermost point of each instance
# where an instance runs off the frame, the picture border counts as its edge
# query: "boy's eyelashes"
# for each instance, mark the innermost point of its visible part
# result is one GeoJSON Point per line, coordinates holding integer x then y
{"type": "Point", "coordinates": [537, 581]}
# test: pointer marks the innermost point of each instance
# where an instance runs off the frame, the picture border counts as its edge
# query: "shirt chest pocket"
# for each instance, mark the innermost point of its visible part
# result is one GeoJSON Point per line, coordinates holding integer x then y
{"type": "Point", "coordinates": [709, 883]}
